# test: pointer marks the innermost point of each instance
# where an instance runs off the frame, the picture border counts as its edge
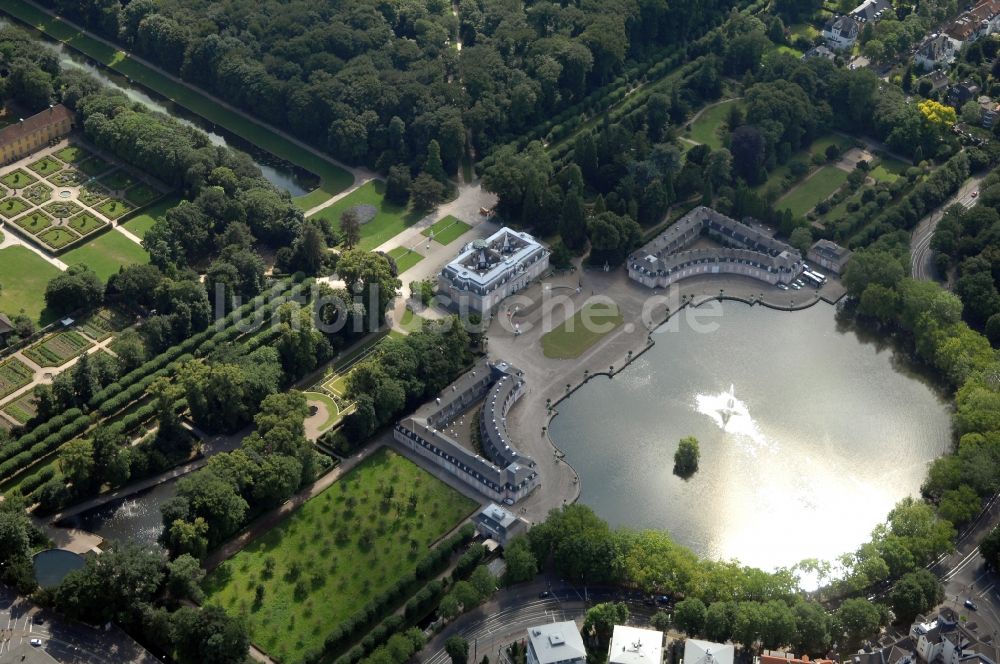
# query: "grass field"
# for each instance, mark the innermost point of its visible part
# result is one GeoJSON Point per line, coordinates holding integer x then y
{"type": "Point", "coordinates": [34, 223]}
{"type": "Point", "coordinates": [405, 258]}
{"type": "Point", "coordinates": [141, 194]}
{"type": "Point", "coordinates": [776, 177]}
{"type": "Point", "coordinates": [72, 154]}
{"type": "Point", "coordinates": [46, 166]}
{"type": "Point", "coordinates": [389, 220]}
{"type": "Point", "coordinates": [142, 222]}
{"type": "Point", "coordinates": [411, 322]}
{"type": "Point", "coordinates": [333, 179]}
{"type": "Point", "coordinates": [336, 553]}
{"type": "Point", "coordinates": [11, 207]}
{"type": "Point", "coordinates": [447, 229]}
{"type": "Point", "coordinates": [14, 374]}
{"type": "Point", "coordinates": [85, 223]}
{"type": "Point", "coordinates": [332, 410]}
{"type": "Point", "coordinates": [105, 254]}
{"type": "Point", "coordinates": [94, 166]}
{"type": "Point", "coordinates": [582, 331]}
{"type": "Point", "coordinates": [114, 208]}
{"type": "Point", "coordinates": [817, 188]}
{"type": "Point", "coordinates": [57, 238]}
{"type": "Point", "coordinates": [57, 349]}
{"type": "Point", "coordinates": [705, 129]}
{"type": "Point", "coordinates": [24, 276]}
{"type": "Point", "coordinates": [18, 179]}
{"type": "Point", "coordinates": [889, 169]}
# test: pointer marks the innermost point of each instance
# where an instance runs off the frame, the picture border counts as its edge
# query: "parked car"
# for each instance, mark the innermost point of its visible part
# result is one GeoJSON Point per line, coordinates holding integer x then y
{"type": "Point", "coordinates": [544, 594]}
{"type": "Point", "coordinates": [35, 642]}
{"type": "Point", "coordinates": [969, 604]}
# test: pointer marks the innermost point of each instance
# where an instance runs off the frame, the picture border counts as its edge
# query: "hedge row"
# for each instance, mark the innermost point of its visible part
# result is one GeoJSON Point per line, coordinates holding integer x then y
{"type": "Point", "coordinates": [364, 620]}
{"type": "Point", "coordinates": [113, 398]}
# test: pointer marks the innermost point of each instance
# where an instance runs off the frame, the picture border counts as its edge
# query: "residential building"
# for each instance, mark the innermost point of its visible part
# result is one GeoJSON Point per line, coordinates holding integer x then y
{"type": "Point", "coordinates": [499, 524]}
{"type": "Point", "coordinates": [706, 652]}
{"type": "Point", "coordinates": [556, 643]}
{"type": "Point", "coordinates": [963, 92]}
{"type": "Point", "coordinates": [25, 136]}
{"type": "Point", "coordinates": [872, 10]}
{"type": "Point", "coordinates": [819, 52]}
{"type": "Point", "coordinates": [487, 271]}
{"type": "Point", "coordinates": [841, 32]}
{"type": "Point", "coordinates": [938, 81]}
{"type": "Point", "coordinates": [778, 657]}
{"type": "Point", "coordinates": [978, 22]}
{"type": "Point", "coordinates": [936, 51]}
{"type": "Point", "coordinates": [631, 645]}
{"type": "Point", "coordinates": [941, 639]}
{"type": "Point", "coordinates": [507, 475]}
{"type": "Point", "coordinates": [745, 250]}
{"type": "Point", "coordinates": [829, 255]}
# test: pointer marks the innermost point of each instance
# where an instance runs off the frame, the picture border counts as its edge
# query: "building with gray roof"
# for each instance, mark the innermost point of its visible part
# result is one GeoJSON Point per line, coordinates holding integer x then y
{"type": "Point", "coordinates": [556, 643]}
{"type": "Point", "coordinates": [745, 250]}
{"type": "Point", "coordinates": [506, 475]}
{"type": "Point", "coordinates": [488, 270]}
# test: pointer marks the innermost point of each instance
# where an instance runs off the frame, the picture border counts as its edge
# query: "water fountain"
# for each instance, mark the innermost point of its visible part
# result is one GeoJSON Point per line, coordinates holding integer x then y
{"type": "Point", "coordinates": [731, 415]}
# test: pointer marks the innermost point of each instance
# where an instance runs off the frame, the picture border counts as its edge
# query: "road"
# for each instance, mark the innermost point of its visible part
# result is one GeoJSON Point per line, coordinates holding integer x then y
{"type": "Point", "coordinates": [65, 641]}
{"type": "Point", "coordinates": [921, 256]}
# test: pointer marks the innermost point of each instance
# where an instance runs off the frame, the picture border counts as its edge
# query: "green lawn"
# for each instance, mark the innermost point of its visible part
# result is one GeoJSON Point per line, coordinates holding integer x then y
{"type": "Point", "coordinates": [57, 238]}
{"type": "Point", "coordinates": [94, 166]}
{"type": "Point", "coordinates": [405, 258]}
{"type": "Point", "coordinates": [333, 412]}
{"type": "Point", "coordinates": [411, 322]}
{"type": "Point", "coordinates": [389, 220]}
{"type": "Point", "coordinates": [447, 229]}
{"type": "Point", "coordinates": [889, 169]}
{"type": "Point", "coordinates": [335, 553]}
{"type": "Point", "coordinates": [34, 223]}
{"type": "Point", "coordinates": [576, 334]}
{"type": "Point", "coordinates": [72, 154]}
{"type": "Point", "coordinates": [817, 188]}
{"type": "Point", "coordinates": [85, 223]}
{"type": "Point", "coordinates": [704, 129]}
{"type": "Point", "coordinates": [819, 146]}
{"type": "Point", "coordinates": [11, 207]}
{"type": "Point", "coordinates": [105, 254]}
{"type": "Point", "coordinates": [114, 208]}
{"type": "Point", "coordinates": [142, 222]}
{"type": "Point", "coordinates": [333, 179]}
{"type": "Point", "coordinates": [18, 179]}
{"type": "Point", "coordinates": [24, 275]}
{"type": "Point", "coordinates": [141, 194]}
{"type": "Point", "coordinates": [45, 166]}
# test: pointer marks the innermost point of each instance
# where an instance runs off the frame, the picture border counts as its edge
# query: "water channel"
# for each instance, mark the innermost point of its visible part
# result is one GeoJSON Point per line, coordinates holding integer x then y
{"type": "Point", "coordinates": [281, 174]}
{"type": "Point", "coordinates": [823, 431]}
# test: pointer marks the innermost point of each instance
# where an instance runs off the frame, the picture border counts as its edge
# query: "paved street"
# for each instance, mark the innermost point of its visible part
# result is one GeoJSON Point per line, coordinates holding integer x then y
{"type": "Point", "coordinates": [66, 642]}
{"type": "Point", "coordinates": [921, 256]}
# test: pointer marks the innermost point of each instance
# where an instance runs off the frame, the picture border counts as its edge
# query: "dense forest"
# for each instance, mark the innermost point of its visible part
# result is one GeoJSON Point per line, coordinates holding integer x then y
{"type": "Point", "coordinates": [375, 82]}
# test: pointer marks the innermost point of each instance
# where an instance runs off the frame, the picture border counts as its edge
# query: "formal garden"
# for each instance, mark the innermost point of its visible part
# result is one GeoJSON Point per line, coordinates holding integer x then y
{"type": "Point", "coordinates": [23, 408]}
{"type": "Point", "coordinates": [107, 252]}
{"type": "Point", "coordinates": [578, 333]}
{"type": "Point", "coordinates": [337, 552]}
{"type": "Point", "coordinates": [57, 349]}
{"type": "Point", "coordinates": [71, 194]}
{"type": "Point", "coordinates": [14, 374]}
{"type": "Point", "coordinates": [405, 258]}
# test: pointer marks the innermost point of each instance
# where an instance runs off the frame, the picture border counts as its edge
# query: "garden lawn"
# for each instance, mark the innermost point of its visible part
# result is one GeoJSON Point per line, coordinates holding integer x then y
{"type": "Point", "coordinates": [72, 154]}
{"type": "Point", "coordinates": [23, 408]}
{"type": "Point", "coordinates": [405, 258]}
{"type": "Point", "coordinates": [889, 169]}
{"type": "Point", "coordinates": [141, 223]}
{"type": "Point", "coordinates": [447, 230]}
{"type": "Point", "coordinates": [335, 554]}
{"type": "Point", "coordinates": [24, 275]}
{"type": "Point", "coordinates": [705, 129]}
{"type": "Point", "coordinates": [45, 166]}
{"type": "Point", "coordinates": [576, 335]}
{"type": "Point", "coordinates": [34, 223]}
{"type": "Point", "coordinates": [389, 220]}
{"type": "Point", "coordinates": [105, 254]}
{"type": "Point", "coordinates": [11, 207]}
{"type": "Point", "coordinates": [333, 179]}
{"type": "Point", "coordinates": [810, 192]}
{"type": "Point", "coordinates": [18, 179]}
{"type": "Point", "coordinates": [57, 238]}
{"type": "Point", "coordinates": [412, 322]}
{"type": "Point", "coordinates": [85, 223]}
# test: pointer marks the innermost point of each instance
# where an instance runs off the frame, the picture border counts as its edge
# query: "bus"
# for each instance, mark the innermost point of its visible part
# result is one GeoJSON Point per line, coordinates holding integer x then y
{"type": "Point", "coordinates": [813, 278]}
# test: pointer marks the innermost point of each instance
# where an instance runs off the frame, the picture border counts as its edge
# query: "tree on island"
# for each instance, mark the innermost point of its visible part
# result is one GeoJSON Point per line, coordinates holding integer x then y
{"type": "Point", "coordinates": [686, 457]}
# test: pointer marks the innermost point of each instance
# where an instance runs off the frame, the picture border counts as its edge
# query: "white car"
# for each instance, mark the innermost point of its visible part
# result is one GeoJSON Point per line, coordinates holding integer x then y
{"type": "Point", "coordinates": [35, 642]}
{"type": "Point", "coordinates": [796, 287]}
{"type": "Point", "coordinates": [782, 286]}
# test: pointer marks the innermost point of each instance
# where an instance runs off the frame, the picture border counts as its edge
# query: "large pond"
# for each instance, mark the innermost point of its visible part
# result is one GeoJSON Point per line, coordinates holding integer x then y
{"type": "Point", "coordinates": [823, 433]}
{"type": "Point", "coordinates": [280, 173]}
{"type": "Point", "coordinates": [135, 518]}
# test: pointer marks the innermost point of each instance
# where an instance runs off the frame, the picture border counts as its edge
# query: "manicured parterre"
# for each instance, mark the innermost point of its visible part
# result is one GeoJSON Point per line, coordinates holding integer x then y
{"type": "Point", "coordinates": [335, 553]}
